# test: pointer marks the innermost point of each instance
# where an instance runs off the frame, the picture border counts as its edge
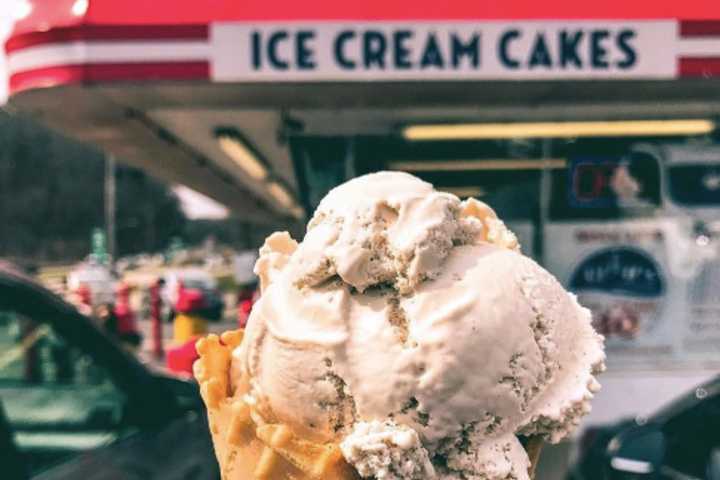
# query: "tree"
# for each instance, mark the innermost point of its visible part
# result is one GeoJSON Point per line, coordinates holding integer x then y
{"type": "Point", "coordinates": [51, 197]}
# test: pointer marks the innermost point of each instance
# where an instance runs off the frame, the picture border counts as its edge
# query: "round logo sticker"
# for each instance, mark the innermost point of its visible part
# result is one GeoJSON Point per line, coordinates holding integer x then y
{"type": "Point", "coordinates": [622, 286]}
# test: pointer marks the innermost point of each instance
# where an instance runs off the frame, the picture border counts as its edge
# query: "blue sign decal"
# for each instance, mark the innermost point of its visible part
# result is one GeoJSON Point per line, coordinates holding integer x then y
{"type": "Point", "coordinates": [619, 270]}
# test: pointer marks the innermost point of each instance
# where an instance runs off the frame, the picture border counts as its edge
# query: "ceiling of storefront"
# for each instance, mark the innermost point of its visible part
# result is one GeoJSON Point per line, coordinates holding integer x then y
{"type": "Point", "coordinates": [168, 129]}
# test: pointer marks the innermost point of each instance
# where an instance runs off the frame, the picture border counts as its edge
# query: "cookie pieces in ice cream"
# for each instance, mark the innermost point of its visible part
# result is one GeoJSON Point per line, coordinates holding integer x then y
{"type": "Point", "coordinates": [390, 228]}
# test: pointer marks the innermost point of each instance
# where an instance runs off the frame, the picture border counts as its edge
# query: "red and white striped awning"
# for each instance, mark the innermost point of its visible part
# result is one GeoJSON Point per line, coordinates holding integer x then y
{"type": "Point", "coordinates": [95, 41]}
{"type": "Point", "coordinates": [99, 53]}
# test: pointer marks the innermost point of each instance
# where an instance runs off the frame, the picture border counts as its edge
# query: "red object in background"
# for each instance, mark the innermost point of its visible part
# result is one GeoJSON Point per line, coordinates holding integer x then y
{"type": "Point", "coordinates": [244, 309]}
{"type": "Point", "coordinates": [84, 294]}
{"type": "Point", "coordinates": [189, 300]}
{"type": "Point", "coordinates": [180, 359]}
{"type": "Point", "coordinates": [134, 12]}
{"type": "Point", "coordinates": [246, 299]}
{"type": "Point", "coordinates": [125, 317]}
{"type": "Point", "coordinates": [155, 312]}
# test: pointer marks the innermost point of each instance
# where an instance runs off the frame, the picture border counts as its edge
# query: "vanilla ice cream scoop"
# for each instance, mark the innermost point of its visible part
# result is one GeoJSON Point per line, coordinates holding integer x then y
{"type": "Point", "coordinates": [404, 308]}
{"type": "Point", "coordinates": [387, 228]}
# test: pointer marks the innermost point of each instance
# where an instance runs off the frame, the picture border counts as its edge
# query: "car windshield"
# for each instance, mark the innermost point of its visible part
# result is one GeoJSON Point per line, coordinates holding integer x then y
{"type": "Point", "coordinates": [58, 401]}
{"type": "Point", "coordinates": [695, 185]}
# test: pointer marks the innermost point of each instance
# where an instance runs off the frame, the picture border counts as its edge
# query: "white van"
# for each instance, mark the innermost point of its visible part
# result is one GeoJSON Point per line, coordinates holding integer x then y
{"type": "Point", "coordinates": [648, 268]}
{"type": "Point", "coordinates": [690, 179]}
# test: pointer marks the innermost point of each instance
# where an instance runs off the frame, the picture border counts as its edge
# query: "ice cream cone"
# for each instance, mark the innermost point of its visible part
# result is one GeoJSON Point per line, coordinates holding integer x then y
{"type": "Point", "coordinates": [248, 444]}
{"type": "Point", "coordinates": [405, 336]}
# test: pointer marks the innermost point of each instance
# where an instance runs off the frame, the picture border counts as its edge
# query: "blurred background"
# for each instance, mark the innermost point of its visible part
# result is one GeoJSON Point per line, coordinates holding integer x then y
{"type": "Point", "coordinates": [147, 151]}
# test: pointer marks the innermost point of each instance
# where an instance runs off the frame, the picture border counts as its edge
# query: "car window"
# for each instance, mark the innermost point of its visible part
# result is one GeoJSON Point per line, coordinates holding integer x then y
{"type": "Point", "coordinates": [57, 400]}
{"type": "Point", "coordinates": [604, 181]}
{"type": "Point", "coordinates": [695, 185]}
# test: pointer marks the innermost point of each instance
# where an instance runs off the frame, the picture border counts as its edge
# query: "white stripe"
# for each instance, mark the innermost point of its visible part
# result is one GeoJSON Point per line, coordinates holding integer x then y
{"type": "Point", "coordinates": [699, 47]}
{"type": "Point", "coordinates": [631, 466]}
{"type": "Point", "coordinates": [78, 53]}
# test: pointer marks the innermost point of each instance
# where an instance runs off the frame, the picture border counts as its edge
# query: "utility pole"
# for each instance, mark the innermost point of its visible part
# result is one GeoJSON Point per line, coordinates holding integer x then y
{"type": "Point", "coordinates": [110, 204]}
{"type": "Point", "coordinates": [545, 199]}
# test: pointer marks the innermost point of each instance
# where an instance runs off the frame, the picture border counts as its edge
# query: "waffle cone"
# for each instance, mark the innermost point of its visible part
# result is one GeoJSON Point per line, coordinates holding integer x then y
{"type": "Point", "coordinates": [248, 443]}
{"type": "Point", "coordinates": [251, 445]}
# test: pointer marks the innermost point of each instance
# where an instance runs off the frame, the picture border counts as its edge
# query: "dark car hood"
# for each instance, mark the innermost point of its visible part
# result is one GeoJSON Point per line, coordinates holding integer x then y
{"type": "Point", "coordinates": [181, 449]}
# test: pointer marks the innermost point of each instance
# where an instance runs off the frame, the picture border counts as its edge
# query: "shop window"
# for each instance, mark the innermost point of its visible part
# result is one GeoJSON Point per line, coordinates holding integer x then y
{"type": "Point", "coordinates": [607, 186]}
{"type": "Point", "coordinates": [644, 170]}
{"type": "Point", "coordinates": [321, 164]}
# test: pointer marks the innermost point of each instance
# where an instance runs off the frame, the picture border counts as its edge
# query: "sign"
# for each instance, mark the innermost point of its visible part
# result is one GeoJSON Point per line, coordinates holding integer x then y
{"type": "Point", "coordinates": [176, 246]}
{"type": "Point", "coordinates": [320, 50]}
{"type": "Point", "coordinates": [624, 288]}
{"type": "Point", "coordinates": [621, 271]}
{"type": "Point", "coordinates": [98, 245]}
{"type": "Point", "coordinates": [463, 50]}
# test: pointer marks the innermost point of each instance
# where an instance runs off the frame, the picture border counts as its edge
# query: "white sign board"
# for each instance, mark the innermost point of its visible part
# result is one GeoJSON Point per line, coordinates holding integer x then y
{"type": "Point", "coordinates": [638, 277]}
{"type": "Point", "coordinates": [459, 50]}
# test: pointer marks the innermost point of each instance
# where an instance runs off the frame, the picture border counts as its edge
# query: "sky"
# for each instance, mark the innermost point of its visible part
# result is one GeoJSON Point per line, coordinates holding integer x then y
{"type": "Point", "coordinates": [194, 204]}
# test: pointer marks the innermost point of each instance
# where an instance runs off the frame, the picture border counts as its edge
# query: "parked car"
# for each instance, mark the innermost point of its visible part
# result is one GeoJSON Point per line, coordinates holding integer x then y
{"type": "Point", "coordinates": [74, 404]}
{"type": "Point", "coordinates": [681, 441]}
{"type": "Point", "coordinates": [192, 279]}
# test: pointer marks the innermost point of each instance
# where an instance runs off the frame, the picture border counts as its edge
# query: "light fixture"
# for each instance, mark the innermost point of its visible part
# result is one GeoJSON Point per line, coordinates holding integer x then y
{"type": "Point", "coordinates": [282, 196]}
{"type": "Point", "coordinates": [238, 150]}
{"type": "Point", "coordinates": [624, 128]}
{"type": "Point", "coordinates": [463, 192]}
{"type": "Point", "coordinates": [486, 164]}
{"type": "Point", "coordinates": [80, 7]}
{"type": "Point", "coordinates": [21, 9]}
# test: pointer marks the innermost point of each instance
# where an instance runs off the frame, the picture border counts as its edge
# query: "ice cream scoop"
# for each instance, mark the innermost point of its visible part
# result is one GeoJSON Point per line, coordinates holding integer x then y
{"type": "Point", "coordinates": [408, 329]}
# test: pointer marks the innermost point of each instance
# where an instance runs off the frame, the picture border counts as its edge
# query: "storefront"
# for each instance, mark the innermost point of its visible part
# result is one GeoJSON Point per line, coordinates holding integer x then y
{"type": "Point", "coordinates": [594, 135]}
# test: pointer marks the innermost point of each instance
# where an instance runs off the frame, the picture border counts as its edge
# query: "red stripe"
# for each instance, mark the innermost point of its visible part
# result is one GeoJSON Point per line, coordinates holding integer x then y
{"type": "Point", "coordinates": [107, 33]}
{"type": "Point", "coordinates": [699, 67]}
{"type": "Point", "coordinates": [202, 11]}
{"type": "Point", "coordinates": [108, 72]}
{"type": "Point", "coordinates": [699, 28]}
